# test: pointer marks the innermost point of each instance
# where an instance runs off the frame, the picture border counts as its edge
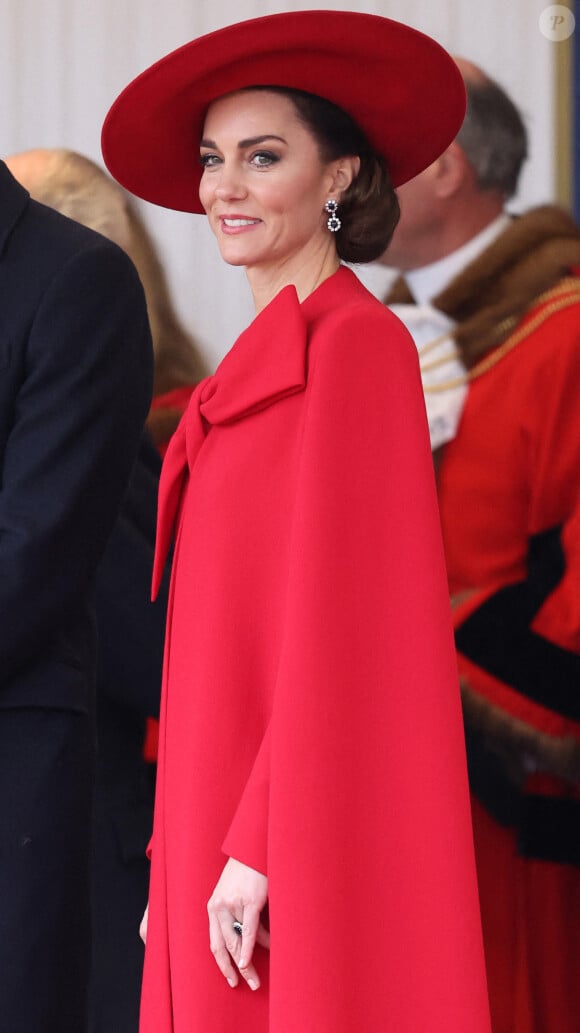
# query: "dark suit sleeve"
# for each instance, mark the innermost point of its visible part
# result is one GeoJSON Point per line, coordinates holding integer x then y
{"type": "Point", "coordinates": [75, 432]}
{"type": "Point", "coordinates": [131, 627]}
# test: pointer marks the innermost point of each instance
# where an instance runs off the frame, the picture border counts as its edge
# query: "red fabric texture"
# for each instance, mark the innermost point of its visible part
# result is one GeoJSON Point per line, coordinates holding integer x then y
{"type": "Point", "coordinates": [530, 914]}
{"type": "Point", "coordinates": [177, 398]}
{"type": "Point", "coordinates": [512, 472]}
{"type": "Point", "coordinates": [311, 724]}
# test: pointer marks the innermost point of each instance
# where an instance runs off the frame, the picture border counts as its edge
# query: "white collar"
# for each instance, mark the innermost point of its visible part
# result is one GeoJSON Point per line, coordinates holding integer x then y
{"type": "Point", "coordinates": [426, 283]}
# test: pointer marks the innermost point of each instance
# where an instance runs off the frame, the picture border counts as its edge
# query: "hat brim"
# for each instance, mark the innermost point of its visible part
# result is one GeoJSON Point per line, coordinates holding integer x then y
{"type": "Point", "coordinates": [400, 86]}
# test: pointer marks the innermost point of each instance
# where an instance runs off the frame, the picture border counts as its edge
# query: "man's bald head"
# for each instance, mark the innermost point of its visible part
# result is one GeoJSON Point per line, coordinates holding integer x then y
{"type": "Point", "coordinates": [493, 136]}
{"type": "Point", "coordinates": [471, 72]}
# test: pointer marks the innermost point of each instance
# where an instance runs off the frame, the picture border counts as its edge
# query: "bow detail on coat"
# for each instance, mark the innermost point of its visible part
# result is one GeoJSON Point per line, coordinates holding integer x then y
{"type": "Point", "coordinates": [266, 363]}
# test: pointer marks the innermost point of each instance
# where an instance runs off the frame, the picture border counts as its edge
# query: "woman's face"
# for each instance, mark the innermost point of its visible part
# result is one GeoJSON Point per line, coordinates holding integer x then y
{"type": "Point", "coordinates": [263, 185]}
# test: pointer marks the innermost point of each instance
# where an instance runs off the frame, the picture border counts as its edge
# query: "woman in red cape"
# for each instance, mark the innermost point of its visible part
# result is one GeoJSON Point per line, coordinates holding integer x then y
{"type": "Point", "coordinates": [312, 796]}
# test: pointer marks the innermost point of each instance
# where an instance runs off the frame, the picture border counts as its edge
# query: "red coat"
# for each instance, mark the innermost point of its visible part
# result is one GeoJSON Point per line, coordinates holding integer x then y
{"type": "Point", "coordinates": [311, 724]}
{"type": "Point", "coordinates": [509, 491]}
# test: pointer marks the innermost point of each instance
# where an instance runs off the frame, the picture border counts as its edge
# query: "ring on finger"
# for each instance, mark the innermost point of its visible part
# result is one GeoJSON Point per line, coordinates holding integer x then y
{"type": "Point", "coordinates": [237, 927]}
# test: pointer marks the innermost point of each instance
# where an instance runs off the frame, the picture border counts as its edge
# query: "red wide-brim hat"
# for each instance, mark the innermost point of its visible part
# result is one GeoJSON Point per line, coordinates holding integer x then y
{"type": "Point", "coordinates": [400, 86]}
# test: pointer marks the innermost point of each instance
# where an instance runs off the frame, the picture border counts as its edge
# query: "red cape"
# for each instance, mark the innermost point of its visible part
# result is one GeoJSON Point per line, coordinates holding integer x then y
{"type": "Point", "coordinates": [311, 720]}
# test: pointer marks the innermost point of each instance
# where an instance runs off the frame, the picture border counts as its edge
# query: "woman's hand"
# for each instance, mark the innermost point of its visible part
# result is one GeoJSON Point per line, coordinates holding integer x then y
{"type": "Point", "coordinates": [239, 896]}
{"type": "Point", "coordinates": [143, 926]}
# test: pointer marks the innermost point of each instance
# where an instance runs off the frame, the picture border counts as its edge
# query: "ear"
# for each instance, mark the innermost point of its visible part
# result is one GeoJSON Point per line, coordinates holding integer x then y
{"type": "Point", "coordinates": [451, 171]}
{"type": "Point", "coordinates": [341, 174]}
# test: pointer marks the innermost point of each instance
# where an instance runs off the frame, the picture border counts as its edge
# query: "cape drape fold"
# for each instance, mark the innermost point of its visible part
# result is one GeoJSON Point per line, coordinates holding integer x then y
{"type": "Point", "coordinates": [313, 726]}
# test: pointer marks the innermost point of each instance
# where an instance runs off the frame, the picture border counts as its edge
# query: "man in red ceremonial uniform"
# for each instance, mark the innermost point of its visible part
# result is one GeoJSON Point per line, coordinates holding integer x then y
{"type": "Point", "coordinates": [494, 305]}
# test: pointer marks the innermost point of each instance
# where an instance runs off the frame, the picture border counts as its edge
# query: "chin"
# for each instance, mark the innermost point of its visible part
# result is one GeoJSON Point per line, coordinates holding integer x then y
{"type": "Point", "coordinates": [232, 260]}
{"type": "Point", "coordinates": [241, 256]}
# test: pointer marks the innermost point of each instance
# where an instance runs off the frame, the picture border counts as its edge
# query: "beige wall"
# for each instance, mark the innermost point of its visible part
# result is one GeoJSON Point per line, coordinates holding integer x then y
{"type": "Point", "coordinates": [63, 61]}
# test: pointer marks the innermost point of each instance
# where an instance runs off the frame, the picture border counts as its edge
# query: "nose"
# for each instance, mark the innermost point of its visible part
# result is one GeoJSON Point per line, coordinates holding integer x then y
{"type": "Point", "coordinates": [229, 184]}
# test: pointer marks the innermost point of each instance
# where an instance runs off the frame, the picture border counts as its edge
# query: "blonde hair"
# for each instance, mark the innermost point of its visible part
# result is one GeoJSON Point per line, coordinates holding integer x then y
{"type": "Point", "coordinates": [178, 360]}
{"type": "Point", "coordinates": [82, 190]}
{"type": "Point", "coordinates": [76, 187]}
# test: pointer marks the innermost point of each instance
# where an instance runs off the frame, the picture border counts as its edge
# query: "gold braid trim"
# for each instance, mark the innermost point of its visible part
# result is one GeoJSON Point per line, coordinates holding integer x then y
{"type": "Point", "coordinates": [565, 294]}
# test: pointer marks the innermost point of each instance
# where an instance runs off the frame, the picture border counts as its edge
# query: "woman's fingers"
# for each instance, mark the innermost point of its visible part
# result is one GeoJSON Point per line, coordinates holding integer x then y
{"type": "Point", "coordinates": [143, 926]}
{"type": "Point", "coordinates": [226, 947]}
{"type": "Point", "coordinates": [239, 898]}
{"type": "Point", "coordinates": [250, 929]}
{"type": "Point", "coordinates": [240, 947]}
{"type": "Point", "coordinates": [223, 944]}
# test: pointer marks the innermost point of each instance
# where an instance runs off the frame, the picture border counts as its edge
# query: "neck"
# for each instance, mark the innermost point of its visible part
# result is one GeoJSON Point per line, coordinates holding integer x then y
{"type": "Point", "coordinates": [470, 224]}
{"type": "Point", "coordinates": [461, 220]}
{"type": "Point", "coordinates": [305, 272]}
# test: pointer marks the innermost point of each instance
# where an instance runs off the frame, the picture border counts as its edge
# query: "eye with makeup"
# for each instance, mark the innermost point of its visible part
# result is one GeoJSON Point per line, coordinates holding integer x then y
{"type": "Point", "coordinates": [258, 159]}
{"type": "Point", "coordinates": [262, 159]}
{"type": "Point", "coordinates": [207, 161]}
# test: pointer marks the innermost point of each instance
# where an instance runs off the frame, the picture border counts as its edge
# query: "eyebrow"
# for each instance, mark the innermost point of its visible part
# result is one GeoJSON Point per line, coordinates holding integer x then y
{"type": "Point", "coordinates": [252, 141]}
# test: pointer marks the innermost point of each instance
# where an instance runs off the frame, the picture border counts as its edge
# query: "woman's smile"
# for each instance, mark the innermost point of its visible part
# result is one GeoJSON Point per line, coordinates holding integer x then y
{"type": "Point", "coordinates": [234, 224]}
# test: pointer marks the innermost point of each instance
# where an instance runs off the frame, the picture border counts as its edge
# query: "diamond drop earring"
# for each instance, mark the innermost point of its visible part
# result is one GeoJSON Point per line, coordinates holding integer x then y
{"type": "Point", "coordinates": [333, 222]}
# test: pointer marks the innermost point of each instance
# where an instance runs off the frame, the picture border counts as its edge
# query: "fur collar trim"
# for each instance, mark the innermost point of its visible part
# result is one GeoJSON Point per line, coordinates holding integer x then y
{"type": "Point", "coordinates": [493, 293]}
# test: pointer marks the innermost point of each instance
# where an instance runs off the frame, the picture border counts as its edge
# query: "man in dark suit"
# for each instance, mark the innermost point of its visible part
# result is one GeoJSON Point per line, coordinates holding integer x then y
{"type": "Point", "coordinates": [130, 633]}
{"type": "Point", "coordinates": [75, 385]}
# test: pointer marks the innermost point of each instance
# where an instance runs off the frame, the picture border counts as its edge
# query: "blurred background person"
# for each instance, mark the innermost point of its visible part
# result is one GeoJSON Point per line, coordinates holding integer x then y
{"type": "Point", "coordinates": [74, 393]}
{"type": "Point", "coordinates": [493, 302]}
{"type": "Point", "coordinates": [179, 362]}
{"type": "Point", "coordinates": [130, 628]}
